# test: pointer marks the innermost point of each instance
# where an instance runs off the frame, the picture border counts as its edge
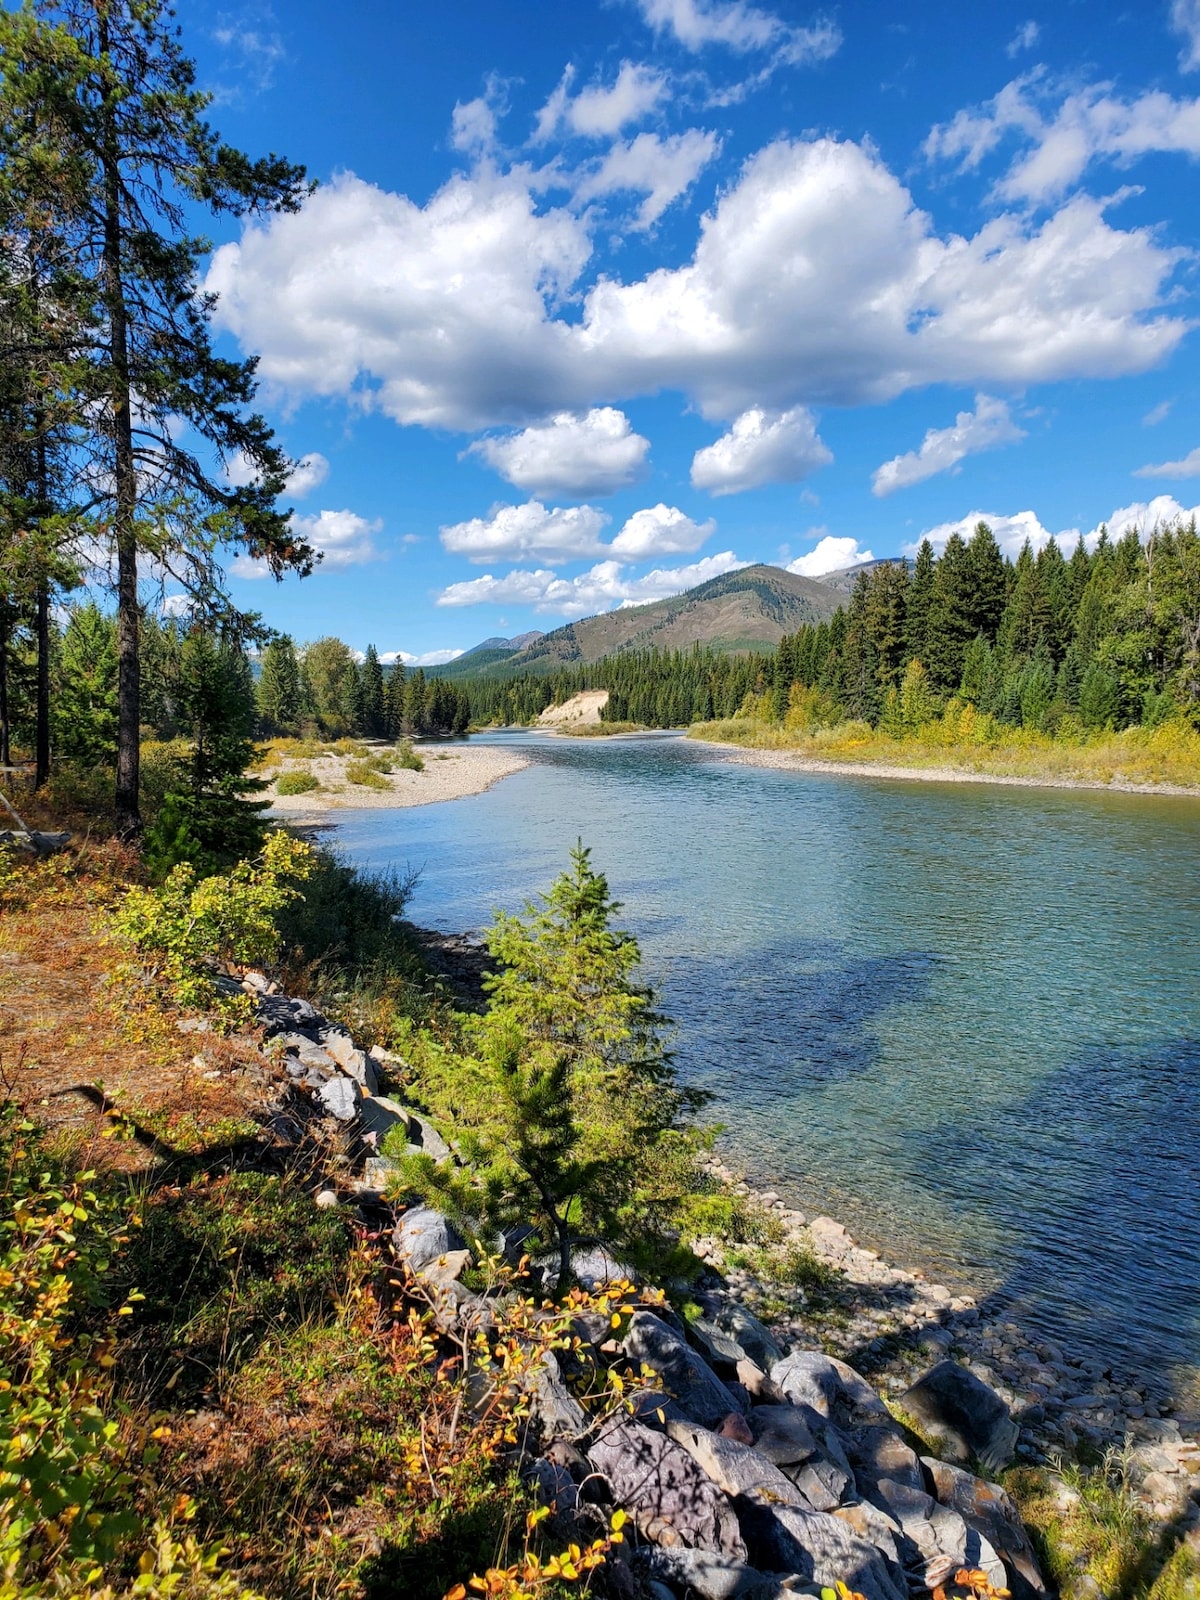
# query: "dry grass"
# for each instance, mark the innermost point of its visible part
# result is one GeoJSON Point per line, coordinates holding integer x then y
{"type": "Point", "coordinates": [1168, 755]}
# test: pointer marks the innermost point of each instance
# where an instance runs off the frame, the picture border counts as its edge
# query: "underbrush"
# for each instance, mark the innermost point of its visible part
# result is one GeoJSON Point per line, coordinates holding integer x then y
{"type": "Point", "coordinates": [973, 742]}
{"type": "Point", "coordinates": [597, 730]}
{"type": "Point", "coordinates": [1089, 1529]}
{"type": "Point", "coordinates": [295, 781]}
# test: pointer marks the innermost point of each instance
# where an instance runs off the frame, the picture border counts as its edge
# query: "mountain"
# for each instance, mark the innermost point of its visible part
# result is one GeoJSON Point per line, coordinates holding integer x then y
{"type": "Point", "coordinates": [844, 580]}
{"type": "Point", "coordinates": [747, 610]}
{"type": "Point", "coordinates": [488, 654]}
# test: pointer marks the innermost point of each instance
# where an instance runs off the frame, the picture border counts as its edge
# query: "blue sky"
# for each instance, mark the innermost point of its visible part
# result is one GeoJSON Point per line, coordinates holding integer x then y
{"type": "Point", "coordinates": [595, 301]}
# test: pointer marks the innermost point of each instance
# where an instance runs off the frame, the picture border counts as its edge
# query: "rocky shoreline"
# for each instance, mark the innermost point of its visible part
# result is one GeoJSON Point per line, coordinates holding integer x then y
{"type": "Point", "coordinates": [758, 1409]}
{"type": "Point", "coordinates": [892, 1320]}
{"type": "Point", "coordinates": [895, 1320]}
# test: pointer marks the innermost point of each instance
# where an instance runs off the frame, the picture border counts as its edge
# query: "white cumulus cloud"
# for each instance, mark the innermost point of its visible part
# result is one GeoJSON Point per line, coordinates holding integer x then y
{"type": "Point", "coordinates": [1011, 532]}
{"type": "Point", "coordinates": [660, 531]}
{"type": "Point", "coordinates": [599, 589]}
{"type": "Point", "coordinates": [831, 554]}
{"type": "Point", "coordinates": [761, 447]}
{"type": "Point", "coordinates": [1185, 21]}
{"type": "Point", "coordinates": [660, 168]}
{"type": "Point", "coordinates": [740, 27]}
{"type": "Point", "coordinates": [310, 472]}
{"type": "Point", "coordinates": [600, 112]}
{"type": "Point", "coordinates": [1188, 467]}
{"type": "Point", "coordinates": [1061, 140]}
{"type": "Point", "coordinates": [551, 533]}
{"type": "Point", "coordinates": [985, 428]}
{"type": "Point", "coordinates": [597, 453]}
{"type": "Point", "coordinates": [815, 279]}
{"type": "Point", "coordinates": [343, 538]}
{"type": "Point", "coordinates": [430, 658]}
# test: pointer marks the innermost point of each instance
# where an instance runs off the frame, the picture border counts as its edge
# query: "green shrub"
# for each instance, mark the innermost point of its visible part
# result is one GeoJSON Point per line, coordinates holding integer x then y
{"type": "Point", "coordinates": [365, 775]}
{"type": "Point", "coordinates": [407, 757]}
{"type": "Point", "coordinates": [178, 933]}
{"type": "Point", "coordinates": [295, 782]}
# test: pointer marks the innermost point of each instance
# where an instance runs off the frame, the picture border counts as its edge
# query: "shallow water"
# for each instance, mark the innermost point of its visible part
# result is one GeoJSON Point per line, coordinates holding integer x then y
{"type": "Point", "coordinates": [965, 1019]}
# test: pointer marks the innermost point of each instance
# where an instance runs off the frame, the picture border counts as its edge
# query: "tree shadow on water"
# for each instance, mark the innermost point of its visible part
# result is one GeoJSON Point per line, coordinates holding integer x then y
{"type": "Point", "coordinates": [1094, 1178]}
{"type": "Point", "coordinates": [796, 1012]}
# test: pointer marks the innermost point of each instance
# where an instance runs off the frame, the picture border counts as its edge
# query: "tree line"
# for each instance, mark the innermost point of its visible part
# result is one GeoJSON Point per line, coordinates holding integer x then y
{"type": "Point", "coordinates": [1105, 639]}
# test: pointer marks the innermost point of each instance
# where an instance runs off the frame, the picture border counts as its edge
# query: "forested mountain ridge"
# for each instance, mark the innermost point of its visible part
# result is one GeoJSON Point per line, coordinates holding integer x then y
{"type": "Point", "coordinates": [751, 609]}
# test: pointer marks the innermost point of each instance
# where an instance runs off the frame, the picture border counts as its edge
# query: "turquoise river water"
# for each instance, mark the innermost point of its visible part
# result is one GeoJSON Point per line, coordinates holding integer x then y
{"type": "Point", "coordinates": [965, 1020]}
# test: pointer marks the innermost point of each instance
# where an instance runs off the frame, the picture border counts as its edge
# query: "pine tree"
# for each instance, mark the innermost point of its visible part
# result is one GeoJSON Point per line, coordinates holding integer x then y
{"type": "Point", "coordinates": [569, 1110]}
{"type": "Point", "coordinates": [988, 583]}
{"type": "Point", "coordinates": [84, 700]}
{"type": "Point", "coordinates": [207, 817]}
{"type": "Point", "coordinates": [280, 694]}
{"type": "Point", "coordinates": [393, 698]}
{"type": "Point", "coordinates": [920, 602]}
{"type": "Point", "coordinates": [951, 623]}
{"type": "Point", "coordinates": [372, 709]}
{"type": "Point", "coordinates": [129, 121]}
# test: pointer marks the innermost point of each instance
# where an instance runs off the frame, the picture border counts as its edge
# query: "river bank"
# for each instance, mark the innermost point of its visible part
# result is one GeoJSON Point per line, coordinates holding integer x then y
{"type": "Point", "coordinates": [890, 1320]}
{"type": "Point", "coordinates": [789, 760]}
{"type": "Point", "coordinates": [449, 773]}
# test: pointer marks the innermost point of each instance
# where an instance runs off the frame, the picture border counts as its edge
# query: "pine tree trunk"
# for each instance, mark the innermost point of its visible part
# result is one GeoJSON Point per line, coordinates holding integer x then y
{"type": "Point", "coordinates": [41, 751]}
{"type": "Point", "coordinates": [5, 755]}
{"type": "Point", "coordinates": [128, 816]}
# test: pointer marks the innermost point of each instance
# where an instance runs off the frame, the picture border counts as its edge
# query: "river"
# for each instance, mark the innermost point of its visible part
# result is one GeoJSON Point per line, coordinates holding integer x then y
{"type": "Point", "coordinates": [965, 1020]}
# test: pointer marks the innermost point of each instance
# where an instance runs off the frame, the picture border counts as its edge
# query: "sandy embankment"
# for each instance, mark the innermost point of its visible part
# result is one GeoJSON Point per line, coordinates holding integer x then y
{"type": "Point", "coordinates": [581, 710]}
{"type": "Point", "coordinates": [871, 769]}
{"type": "Point", "coordinates": [449, 774]}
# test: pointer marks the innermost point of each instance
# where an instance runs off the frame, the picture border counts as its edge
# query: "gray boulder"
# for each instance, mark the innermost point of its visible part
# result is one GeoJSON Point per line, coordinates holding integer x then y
{"type": "Point", "coordinates": [353, 1061]}
{"type": "Point", "coordinates": [734, 1334]}
{"type": "Point", "coordinates": [426, 1138]}
{"type": "Point", "coordinates": [834, 1390]}
{"type": "Point", "coordinates": [595, 1268]}
{"type": "Point", "coordinates": [736, 1469]}
{"type": "Point", "coordinates": [935, 1541]}
{"type": "Point", "coordinates": [554, 1410]}
{"type": "Point", "coordinates": [379, 1115]}
{"type": "Point", "coordinates": [683, 1374]}
{"type": "Point", "coordinates": [987, 1508]}
{"type": "Point", "coordinates": [879, 1451]}
{"type": "Point", "coordinates": [806, 1449]}
{"type": "Point", "coordinates": [965, 1418]}
{"type": "Point", "coordinates": [821, 1549]}
{"type": "Point", "coordinates": [422, 1235]}
{"type": "Point", "coordinates": [340, 1097]}
{"type": "Point", "coordinates": [701, 1573]}
{"type": "Point", "coordinates": [672, 1502]}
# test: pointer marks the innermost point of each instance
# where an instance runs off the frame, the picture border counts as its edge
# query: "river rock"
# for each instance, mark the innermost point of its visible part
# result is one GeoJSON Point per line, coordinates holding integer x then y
{"type": "Point", "coordinates": [422, 1235]}
{"type": "Point", "coordinates": [378, 1115]}
{"type": "Point", "coordinates": [554, 1410]}
{"type": "Point", "coordinates": [879, 1452]}
{"type": "Point", "coordinates": [736, 1469]}
{"type": "Point", "coordinates": [963, 1416]}
{"type": "Point", "coordinates": [987, 1508]}
{"type": "Point", "coordinates": [834, 1390]}
{"type": "Point", "coordinates": [805, 1449]}
{"type": "Point", "coordinates": [355, 1063]}
{"type": "Point", "coordinates": [670, 1499]}
{"type": "Point", "coordinates": [425, 1137]}
{"type": "Point", "coordinates": [935, 1541]}
{"type": "Point", "coordinates": [701, 1573]}
{"type": "Point", "coordinates": [684, 1375]}
{"type": "Point", "coordinates": [820, 1549]}
{"type": "Point", "coordinates": [340, 1097]}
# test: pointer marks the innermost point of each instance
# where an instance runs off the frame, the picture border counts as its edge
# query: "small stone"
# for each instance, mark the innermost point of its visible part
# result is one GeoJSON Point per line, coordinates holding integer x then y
{"type": "Point", "coordinates": [341, 1097]}
{"type": "Point", "coordinates": [326, 1200]}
